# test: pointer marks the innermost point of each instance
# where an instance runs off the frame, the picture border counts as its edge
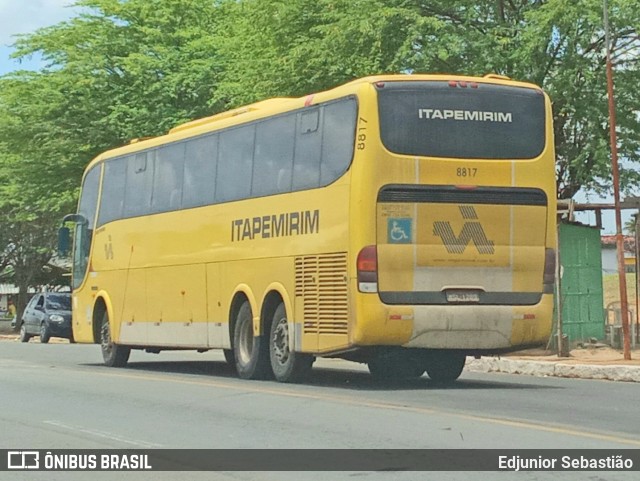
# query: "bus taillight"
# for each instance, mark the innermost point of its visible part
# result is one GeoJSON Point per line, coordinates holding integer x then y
{"type": "Point", "coordinates": [368, 269]}
{"type": "Point", "coordinates": [549, 270]}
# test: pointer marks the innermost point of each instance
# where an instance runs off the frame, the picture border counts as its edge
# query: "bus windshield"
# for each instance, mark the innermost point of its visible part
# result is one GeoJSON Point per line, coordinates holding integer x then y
{"type": "Point", "coordinates": [461, 120]}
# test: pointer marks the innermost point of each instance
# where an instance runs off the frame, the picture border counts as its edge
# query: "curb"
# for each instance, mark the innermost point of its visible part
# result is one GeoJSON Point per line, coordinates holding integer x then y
{"type": "Point", "coordinates": [555, 369]}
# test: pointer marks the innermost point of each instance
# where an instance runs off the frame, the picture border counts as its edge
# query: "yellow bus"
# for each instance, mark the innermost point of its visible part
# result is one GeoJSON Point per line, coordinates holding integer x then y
{"type": "Point", "coordinates": [402, 221]}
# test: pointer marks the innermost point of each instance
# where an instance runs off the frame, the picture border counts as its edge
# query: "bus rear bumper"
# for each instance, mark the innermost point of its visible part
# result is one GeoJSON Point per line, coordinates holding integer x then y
{"type": "Point", "coordinates": [481, 327]}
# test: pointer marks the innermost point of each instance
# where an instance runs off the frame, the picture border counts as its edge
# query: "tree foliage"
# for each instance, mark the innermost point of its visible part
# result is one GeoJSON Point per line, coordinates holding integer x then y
{"type": "Point", "coordinates": [295, 47]}
{"type": "Point", "coordinates": [123, 69]}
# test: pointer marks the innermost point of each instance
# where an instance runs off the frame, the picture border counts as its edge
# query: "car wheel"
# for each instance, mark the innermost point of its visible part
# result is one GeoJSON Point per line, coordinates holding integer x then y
{"type": "Point", "coordinates": [44, 333]}
{"type": "Point", "coordinates": [251, 352]}
{"type": "Point", "coordinates": [114, 355]}
{"type": "Point", "coordinates": [24, 337]}
{"type": "Point", "coordinates": [287, 365]}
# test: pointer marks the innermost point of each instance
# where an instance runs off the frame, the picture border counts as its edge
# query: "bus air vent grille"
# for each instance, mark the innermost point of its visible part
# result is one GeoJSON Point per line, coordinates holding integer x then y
{"type": "Point", "coordinates": [321, 285]}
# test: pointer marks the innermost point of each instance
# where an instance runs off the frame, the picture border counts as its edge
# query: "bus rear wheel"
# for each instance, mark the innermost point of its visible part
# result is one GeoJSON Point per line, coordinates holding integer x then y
{"type": "Point", "coordinates": [394, 365]}
{"type": "Point", "coordinates": [251, 352]}
{"type": "Point", "coordinates": [114, 355]}
{"type": "Point", "coordinates": [287, 365]}
{"type": "Point", "coordinates": [445, 366]}
{"type": "Point", "coordinates": [230, 357]}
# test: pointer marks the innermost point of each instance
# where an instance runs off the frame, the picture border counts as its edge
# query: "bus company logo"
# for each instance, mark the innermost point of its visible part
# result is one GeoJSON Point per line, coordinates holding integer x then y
{"type": "Point", "coordinates": [471, 231]}
{"type": "Point", "coordinates": [468, 115]}
{"type": "Point", "coordinates": [276, 225]}
{"type": "Point", "coordinates": [23, 460]}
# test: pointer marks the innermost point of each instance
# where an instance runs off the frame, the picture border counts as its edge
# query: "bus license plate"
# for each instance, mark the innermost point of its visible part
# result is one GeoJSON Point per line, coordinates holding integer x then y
{"type": "Point", "coordinates": [463, 297]}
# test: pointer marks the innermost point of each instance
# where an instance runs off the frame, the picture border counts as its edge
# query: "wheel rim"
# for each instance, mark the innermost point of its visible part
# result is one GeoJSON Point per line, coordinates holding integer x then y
{"type": "Point", "coordinates": [245, 342]}
{"type": "Point", "coordinates": [280, 341]}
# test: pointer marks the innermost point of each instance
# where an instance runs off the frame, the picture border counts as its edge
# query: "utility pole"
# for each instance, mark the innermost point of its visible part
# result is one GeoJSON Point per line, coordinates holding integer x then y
{"type": "Point", "coordinates": [624, 305]}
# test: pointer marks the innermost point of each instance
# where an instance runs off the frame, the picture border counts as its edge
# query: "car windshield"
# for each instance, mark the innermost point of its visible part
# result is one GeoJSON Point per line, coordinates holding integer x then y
{"type": "Point", "coordinates": [59, 302]}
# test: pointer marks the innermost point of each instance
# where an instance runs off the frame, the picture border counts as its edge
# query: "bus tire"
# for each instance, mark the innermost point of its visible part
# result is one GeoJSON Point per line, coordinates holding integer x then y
{"type": "Point", "coordinates": [114, 355]}
{"type": "Point", "coordinates": [287, 365]}
{"type": "Point", "coordinates": [445, 366]}
{"type": "Point", "coordinates": [229, 356]}
{"type": "Point", "coordinates": [251, 352]}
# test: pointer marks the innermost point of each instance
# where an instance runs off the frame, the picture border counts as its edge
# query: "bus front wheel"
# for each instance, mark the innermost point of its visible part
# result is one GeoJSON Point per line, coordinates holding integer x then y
{"type": "Point", "coordinates": [251, 352]}
{"type": "Point", "coordinates": [287, 365]}
{"type": "Point", "coordinates": [113, 354]}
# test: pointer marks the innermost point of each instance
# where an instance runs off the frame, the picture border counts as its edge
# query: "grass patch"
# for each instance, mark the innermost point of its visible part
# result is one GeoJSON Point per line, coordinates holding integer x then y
{"type": "Point", "coordinates": [611, 287]}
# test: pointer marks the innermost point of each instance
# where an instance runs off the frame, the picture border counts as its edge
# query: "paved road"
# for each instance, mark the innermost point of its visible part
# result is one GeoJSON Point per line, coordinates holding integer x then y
{"type": "Point", "coordinates": [60, 396]}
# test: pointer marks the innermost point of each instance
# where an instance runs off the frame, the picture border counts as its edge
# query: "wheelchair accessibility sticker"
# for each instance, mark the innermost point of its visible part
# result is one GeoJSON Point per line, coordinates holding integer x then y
{"type": "Point", "coordinates": [399, 231]}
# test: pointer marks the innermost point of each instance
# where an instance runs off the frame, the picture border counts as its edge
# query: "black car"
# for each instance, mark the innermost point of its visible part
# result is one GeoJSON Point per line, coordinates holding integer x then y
{"type": "Point", "coordinates": [48, 315]}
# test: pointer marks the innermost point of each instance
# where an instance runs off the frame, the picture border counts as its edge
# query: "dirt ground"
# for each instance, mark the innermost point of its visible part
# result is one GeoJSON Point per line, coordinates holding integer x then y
{"type": "Point", "coordinates": [14, 337]}
{"type": "Point", "coordinates": [597, 355]}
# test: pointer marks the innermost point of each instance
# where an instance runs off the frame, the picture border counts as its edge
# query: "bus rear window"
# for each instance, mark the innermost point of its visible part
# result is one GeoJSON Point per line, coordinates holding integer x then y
{"type": "Point", "coordinates": [486, 121]}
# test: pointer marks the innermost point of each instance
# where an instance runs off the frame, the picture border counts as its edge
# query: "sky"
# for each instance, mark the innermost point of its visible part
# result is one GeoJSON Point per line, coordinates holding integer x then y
{"type": "Point", "coordinates": [26, 16]}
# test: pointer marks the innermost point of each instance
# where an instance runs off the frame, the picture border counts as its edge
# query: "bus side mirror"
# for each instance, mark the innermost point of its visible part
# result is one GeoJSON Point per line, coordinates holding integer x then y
{"type": "Point", "coordinates": [64, 241]}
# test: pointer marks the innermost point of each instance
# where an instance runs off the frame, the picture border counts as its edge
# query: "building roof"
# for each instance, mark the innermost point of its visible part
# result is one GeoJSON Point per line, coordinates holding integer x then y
{"type": "Point", "coordinates": [609, 242]}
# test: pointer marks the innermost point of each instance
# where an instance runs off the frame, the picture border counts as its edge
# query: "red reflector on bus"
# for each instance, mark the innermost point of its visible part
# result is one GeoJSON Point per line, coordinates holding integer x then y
{"type": "Point", "coordinates": [453, 83]}
{"type": "Point", "coordinates": [463, 84]}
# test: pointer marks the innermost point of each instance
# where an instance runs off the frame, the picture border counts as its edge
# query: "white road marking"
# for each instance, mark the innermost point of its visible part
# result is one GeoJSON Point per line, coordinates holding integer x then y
{"type": "Point", "coordinates": [103, 434]}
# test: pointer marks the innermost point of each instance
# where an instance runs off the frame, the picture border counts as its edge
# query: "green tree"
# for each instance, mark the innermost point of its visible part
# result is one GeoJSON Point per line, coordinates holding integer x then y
{"type": "Point", "coordinates": [631, 225]}
{"type": "Point", "coordinates": [290, 48]}
{"type": "Point", "coordinates": [120, 70]}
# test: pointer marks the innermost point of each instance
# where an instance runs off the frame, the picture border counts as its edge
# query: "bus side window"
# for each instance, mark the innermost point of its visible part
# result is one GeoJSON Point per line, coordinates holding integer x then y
{"type": "Point", "coordinates": [306, 166]}
{"type": "Point", "coordinates": [167, 181]}
{"type": "Point", "coordinates": [112, 198]}
{"type": "Point", "coordinates": [235, 164]}
{"type": "Point", "coordinates": [137, 195]}
{"type": "Point", "coordinates": [273, 157]}
{"type": "Point", "coordinates": [201, 160]}
{"type": "Point", "coordinates": [338, 139]}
